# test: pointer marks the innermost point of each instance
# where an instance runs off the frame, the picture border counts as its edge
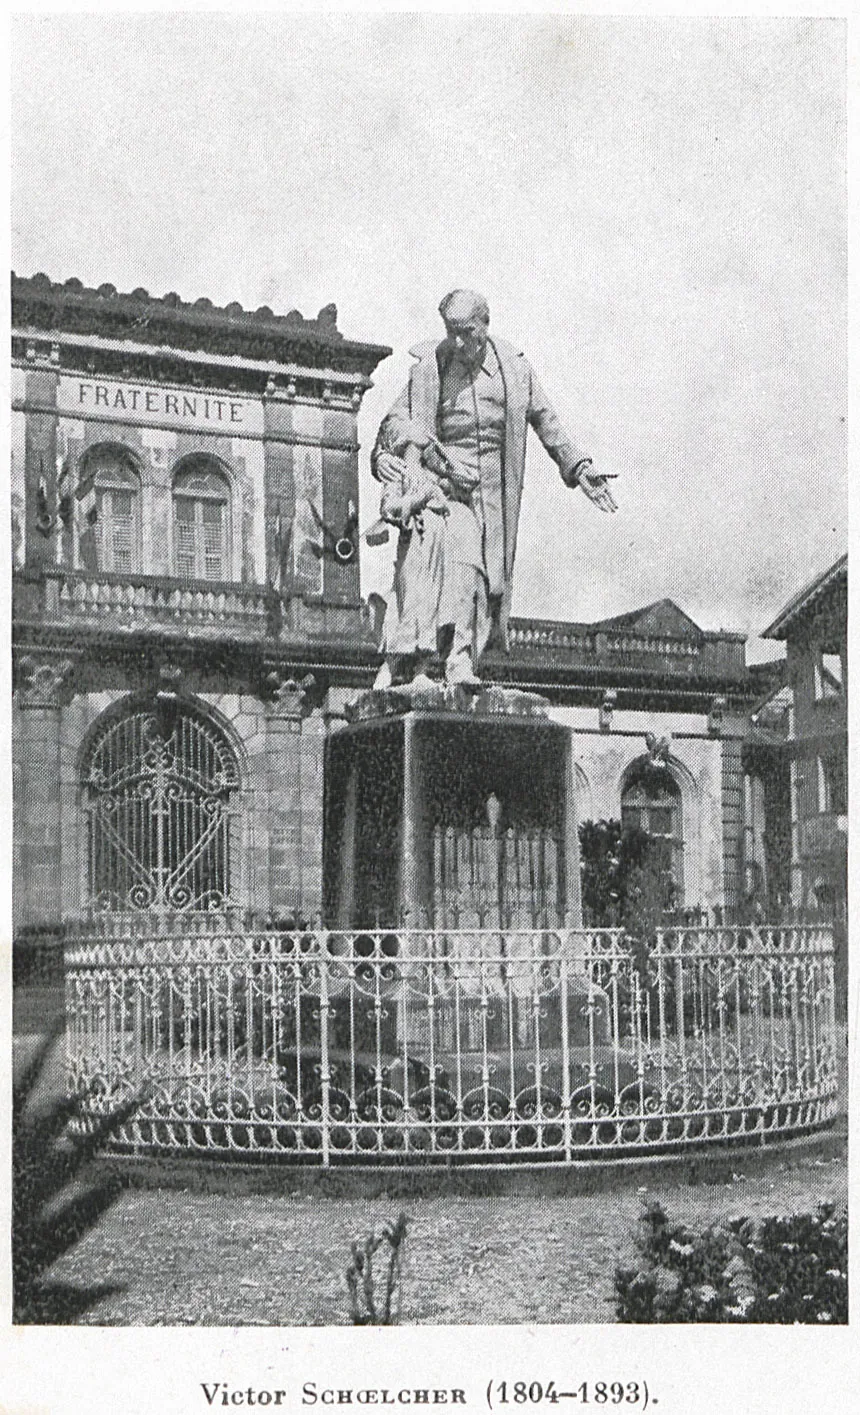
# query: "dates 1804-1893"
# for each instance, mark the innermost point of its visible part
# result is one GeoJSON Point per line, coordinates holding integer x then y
{"type": "Point", "coordinates": [584, 1393]}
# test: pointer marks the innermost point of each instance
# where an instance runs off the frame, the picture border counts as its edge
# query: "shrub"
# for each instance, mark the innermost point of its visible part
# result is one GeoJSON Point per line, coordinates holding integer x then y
{"type": "Point", "coordinates": [623, 881]}
{"type": "Point", "coordinates": [53, 1202]}
{"type": "Point", "coordinates": [799, 1267]}
{"type": "Point", "coordinates": [361, 1281]}
{"type": "Point", "coordinates": [609, 858]}
{"type": "Point", "coordinates": [784, 1270]}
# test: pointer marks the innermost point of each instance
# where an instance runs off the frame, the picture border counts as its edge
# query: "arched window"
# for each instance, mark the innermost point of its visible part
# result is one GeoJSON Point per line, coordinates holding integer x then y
{"type": "Point", "coordinates": [111, 484]}
{"type": "Point", "coordinates": [651, 800]}
{"type": "Point", "coordinates": [158, 786]}
{"type": "Point", "coordinates": [201, 521]}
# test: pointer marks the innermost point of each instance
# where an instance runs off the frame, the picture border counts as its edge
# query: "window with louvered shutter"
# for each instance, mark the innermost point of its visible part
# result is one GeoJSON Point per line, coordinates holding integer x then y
{"type": "Point", "coordinates": [186, 559]}
{"type": "Point", "coordinates": [116, 494]}
{"type": "Point", "coordinates": [122, 529]}
{"type": "Point", "coordinates": [201, 521]}
{"type": "Point", "coordinates": [212, 518]}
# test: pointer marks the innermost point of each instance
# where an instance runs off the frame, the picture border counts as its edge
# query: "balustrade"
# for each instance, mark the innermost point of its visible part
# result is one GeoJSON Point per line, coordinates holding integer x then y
{"type": "Point", "coordinates": [535, 636]}
{"type": "Point", "coordinates": [145, 601]}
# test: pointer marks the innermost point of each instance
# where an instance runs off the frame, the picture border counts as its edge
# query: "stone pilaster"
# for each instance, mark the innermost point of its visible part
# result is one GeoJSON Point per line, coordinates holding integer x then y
{"type": "Point", "coordinates": [287, 788]}
{"type": "Point", "coordinates": [313, 745]}
{"type": "Point", "coordinates": [42, 685]}
{"type": "Point", "coordinates": [733, 816]}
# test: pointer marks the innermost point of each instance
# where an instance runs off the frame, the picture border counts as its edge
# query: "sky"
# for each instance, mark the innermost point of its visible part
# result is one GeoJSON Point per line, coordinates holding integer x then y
{"type": "Point", "coordinates": [653, 208]}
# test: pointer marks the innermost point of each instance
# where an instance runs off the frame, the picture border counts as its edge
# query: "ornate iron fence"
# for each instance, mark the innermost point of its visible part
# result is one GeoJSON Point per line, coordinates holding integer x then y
{"type": "Point", "coordinates": [467, 1046]}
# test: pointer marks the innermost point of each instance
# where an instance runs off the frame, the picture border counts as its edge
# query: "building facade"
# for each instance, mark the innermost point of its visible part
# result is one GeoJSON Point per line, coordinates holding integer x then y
{"type": "Point", "coordinates": [799, 746]}
{"type": "Point", "coordinates": [176, 470]}
{"type": "Point", "coordinates": [188, 625]}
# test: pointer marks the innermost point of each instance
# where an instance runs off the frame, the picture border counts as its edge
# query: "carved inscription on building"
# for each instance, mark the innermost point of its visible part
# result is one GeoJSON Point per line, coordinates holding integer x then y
{"type": "Point", "coordinates": [131, 402]}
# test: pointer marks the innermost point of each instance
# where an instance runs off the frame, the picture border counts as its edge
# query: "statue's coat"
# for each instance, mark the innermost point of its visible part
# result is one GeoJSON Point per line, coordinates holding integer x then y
{"type": "Point", "coordinates": [525, 404]}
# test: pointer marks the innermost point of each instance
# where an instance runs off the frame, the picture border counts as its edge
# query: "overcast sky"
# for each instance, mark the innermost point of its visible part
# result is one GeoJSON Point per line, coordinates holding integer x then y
{"type": "Point", "coordinates": [654, 209]}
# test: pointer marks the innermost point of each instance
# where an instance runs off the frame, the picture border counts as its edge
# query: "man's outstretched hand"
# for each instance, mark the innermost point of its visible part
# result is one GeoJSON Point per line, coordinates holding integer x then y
{"type": "Point", "coordinates": [595, 488]}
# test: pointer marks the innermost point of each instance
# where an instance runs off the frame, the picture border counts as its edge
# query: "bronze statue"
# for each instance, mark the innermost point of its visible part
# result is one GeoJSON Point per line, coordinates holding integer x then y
{"type": "Point", "coordinates": [451, 455]}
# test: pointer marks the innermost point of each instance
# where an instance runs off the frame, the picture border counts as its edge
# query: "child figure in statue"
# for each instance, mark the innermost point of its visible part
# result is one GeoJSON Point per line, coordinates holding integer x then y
{"type": "Point", "coordinates": [418, 476]}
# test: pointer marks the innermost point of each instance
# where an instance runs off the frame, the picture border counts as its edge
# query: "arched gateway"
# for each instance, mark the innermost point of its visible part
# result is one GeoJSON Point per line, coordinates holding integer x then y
{"type": "Point", "coordinates": [158, 786]}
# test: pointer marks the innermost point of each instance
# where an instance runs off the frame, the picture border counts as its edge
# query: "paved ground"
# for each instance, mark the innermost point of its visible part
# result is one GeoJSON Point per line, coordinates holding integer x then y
{"type": "Point", "coordinates": [183, 1258]}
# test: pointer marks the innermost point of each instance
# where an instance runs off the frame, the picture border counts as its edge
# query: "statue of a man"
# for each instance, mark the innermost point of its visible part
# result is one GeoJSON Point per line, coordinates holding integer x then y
{"type": "Point", "coordinates": [451, 453]}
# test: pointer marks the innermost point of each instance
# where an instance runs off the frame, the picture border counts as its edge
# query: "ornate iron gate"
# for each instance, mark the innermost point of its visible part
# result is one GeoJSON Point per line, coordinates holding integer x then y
{"type": "Point", "coordinates": [157, 788]}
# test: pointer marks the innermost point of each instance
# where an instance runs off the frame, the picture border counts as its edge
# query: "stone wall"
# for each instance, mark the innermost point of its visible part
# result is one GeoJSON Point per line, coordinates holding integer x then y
{"type": "Point", "coordinates": [696, 764]}
{"type": "Point", "coordinates": [278, 747]}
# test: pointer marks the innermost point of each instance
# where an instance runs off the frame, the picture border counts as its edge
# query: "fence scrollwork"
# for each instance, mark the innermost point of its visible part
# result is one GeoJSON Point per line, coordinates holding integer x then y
{"type": "Point", "coordinates": [472, 1046]}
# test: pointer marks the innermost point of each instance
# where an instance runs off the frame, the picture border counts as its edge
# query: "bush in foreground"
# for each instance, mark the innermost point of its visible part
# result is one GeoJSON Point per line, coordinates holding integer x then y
{"type": "Point", "coordinates": [365, 1307]}
{"type": "Point", "coordinates": [785, 1270]}
{"type": "Point", "coordinates": [54, 1203]}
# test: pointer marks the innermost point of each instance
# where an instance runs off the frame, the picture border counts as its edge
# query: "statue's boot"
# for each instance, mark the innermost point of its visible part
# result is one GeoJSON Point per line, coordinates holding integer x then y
{"type": "Point", "coordinates": [399, 670]}
{"type": "Point", "coordinates": [459, 672]}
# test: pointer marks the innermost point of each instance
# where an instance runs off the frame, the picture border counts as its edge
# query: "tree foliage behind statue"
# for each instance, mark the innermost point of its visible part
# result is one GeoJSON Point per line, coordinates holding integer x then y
{"type": "Point", "coordinates": [623, 885]}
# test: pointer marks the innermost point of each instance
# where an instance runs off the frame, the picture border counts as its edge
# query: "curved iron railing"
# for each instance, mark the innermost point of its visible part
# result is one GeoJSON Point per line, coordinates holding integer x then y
{"type": "Point", "coordinates": [469, 1046]}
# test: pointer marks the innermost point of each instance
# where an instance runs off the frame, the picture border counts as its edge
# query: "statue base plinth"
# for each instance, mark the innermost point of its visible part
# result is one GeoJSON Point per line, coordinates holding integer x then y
{"type": "Point", "coordinates": [459, 813]}
{"type": "Point", "coordinates": [427, 695]}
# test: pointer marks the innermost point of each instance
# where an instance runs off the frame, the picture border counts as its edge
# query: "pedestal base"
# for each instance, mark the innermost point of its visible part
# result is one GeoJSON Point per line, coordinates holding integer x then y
{"type": "Point", "coordinates": [427, 695]}
{"type": "Point", "coordinates": [451, 817]}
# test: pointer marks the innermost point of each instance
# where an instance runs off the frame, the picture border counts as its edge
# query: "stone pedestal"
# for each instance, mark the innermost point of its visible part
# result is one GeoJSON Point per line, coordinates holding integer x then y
{"type": "Point", "coordinates": [450, 813]}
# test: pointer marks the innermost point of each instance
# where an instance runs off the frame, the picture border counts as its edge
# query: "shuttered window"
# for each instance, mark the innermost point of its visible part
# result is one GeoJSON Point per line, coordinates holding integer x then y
{"type": "Point", "coordinates": [117, 535]}
{"type": "Point", "coordinates": [201, 522]}
{"type": "Point", "coordinates": [114, 514]}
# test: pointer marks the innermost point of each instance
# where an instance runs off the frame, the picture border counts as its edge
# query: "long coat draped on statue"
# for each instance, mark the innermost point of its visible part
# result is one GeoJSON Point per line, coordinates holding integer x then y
{"type": "Point", "coordinates": [526, 404]}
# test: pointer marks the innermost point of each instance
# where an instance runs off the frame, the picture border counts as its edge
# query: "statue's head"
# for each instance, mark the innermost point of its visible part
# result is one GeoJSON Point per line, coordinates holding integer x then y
{"type": "Point", "coordinates": [467, 320]}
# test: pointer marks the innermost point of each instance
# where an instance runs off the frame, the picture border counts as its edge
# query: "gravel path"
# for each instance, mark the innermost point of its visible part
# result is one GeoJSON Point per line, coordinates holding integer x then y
{"type": "Point", "coordinates": [184, 1258]}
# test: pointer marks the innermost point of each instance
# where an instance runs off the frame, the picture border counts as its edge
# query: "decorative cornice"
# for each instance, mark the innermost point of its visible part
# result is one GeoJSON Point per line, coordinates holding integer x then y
{"type": "Point", "coordinates": [43, 305]}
